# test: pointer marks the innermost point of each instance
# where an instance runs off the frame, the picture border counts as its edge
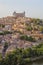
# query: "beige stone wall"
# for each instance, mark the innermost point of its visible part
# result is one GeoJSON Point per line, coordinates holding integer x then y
{"type": "Point", "coordinates": [19, 14]}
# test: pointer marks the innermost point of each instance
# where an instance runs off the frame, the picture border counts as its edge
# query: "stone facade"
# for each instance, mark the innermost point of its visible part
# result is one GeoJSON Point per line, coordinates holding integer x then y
{"type": "Point", "coordinates": [19, 14]}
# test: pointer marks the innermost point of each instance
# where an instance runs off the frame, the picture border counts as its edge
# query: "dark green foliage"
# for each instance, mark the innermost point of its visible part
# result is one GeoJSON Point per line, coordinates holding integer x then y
{"type": "Point", "coordinates": [22, 56]}
{"type": "Point", "coordinates": [28, 28]}
{"type": "Point", "coordinates": [25, 37]}
{"type": "Point", "coordinates": [5, 32]}
{"type": "Point", "coordinates": [5, 47]}
{"type": "Point", "coordinates": [1, 25]}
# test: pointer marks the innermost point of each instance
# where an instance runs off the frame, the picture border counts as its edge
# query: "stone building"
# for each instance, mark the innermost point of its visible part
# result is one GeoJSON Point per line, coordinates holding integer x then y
{"type": "Point", "coordinates": [19, 14]}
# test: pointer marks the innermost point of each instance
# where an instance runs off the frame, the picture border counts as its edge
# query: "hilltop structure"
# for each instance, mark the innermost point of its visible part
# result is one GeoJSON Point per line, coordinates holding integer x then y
{"type": "Point", "coordinates": [19, 14]}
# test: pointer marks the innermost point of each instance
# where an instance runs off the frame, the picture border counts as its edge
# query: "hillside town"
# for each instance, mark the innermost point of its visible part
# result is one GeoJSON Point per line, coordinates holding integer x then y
{"type": "Point", "coordinates": [19, 31]}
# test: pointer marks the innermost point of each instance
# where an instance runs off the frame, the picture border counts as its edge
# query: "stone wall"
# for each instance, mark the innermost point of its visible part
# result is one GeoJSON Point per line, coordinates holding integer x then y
{"type": "Point", "coordinates": [19, 14]}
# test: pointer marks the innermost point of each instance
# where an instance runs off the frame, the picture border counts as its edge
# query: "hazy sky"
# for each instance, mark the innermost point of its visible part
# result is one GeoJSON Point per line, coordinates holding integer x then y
{"type": "Point", "coordinates": [33, 8]}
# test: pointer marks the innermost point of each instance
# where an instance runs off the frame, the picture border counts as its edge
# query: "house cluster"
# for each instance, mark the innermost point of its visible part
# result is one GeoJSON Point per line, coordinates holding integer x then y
{"type": "Point", "coordinates": [19, 24]}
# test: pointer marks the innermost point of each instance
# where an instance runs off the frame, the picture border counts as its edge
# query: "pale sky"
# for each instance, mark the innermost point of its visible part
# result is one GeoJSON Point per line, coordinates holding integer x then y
{"type": "Point", "coordinates": [33, 8]}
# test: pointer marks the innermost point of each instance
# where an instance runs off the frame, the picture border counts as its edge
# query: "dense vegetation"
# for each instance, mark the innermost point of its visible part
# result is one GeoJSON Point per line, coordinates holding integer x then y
{"type": "Point", "coordinates": [5, 32]}
{"type": "Point", "coordinates": [1, 25]}
{"type": "Point", "coordinates": [30, 38]}
{"type": "Point", "coordinates": [21, 56]}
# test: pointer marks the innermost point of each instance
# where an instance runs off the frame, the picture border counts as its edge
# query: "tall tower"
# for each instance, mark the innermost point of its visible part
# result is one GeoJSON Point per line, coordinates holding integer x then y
{"type": "Point", "coordinates": [14, 13]}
